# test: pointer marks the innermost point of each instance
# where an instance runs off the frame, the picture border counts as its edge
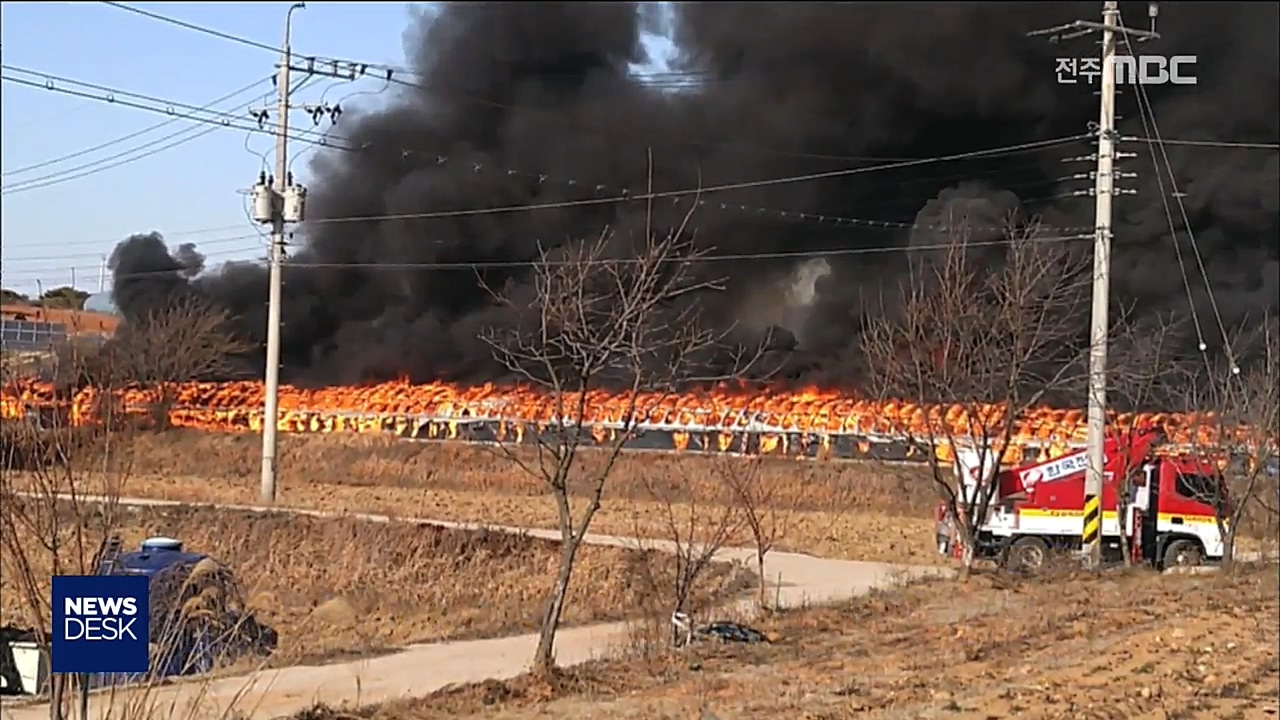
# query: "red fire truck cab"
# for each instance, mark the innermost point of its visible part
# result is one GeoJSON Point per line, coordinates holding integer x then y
{"type": "Point", "coordinates": [1039, 508]}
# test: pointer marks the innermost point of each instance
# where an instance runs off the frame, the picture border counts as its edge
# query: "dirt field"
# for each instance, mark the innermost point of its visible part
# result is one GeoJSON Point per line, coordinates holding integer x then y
{"type": "Point", "coordinates": [341, 587]}
{"type": "Point", "coordinates": [1130, 645]}
{"type": "Point", "coordinates": [862, 511]}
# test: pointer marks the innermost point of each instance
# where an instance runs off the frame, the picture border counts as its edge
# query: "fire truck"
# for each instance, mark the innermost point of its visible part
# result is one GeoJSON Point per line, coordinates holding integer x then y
{"type": "Point", "coordinates": [1037, 508]}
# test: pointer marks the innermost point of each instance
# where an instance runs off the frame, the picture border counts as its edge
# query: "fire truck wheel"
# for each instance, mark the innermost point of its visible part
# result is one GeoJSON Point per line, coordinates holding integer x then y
{"type": "Point", "coordinates": [1026, 554]}
{"type": "Point", "coordinates": [1182, 553]}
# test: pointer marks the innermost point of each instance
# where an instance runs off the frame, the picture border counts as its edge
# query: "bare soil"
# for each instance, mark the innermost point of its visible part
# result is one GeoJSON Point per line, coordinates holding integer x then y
{"type": "Point", "coordinates": [1131, 645]}
{"type": "Point", "coordinates": [337, 588]}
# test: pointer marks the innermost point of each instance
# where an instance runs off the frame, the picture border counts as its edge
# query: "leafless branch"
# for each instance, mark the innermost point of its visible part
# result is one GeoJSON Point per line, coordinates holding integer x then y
{"type": "Point", "coordinates": [188, 339]}
{"type": "Point", "coordinates": [59, 488]}
{"type": "Point", "coordinates": [976, 343]}
{"type": "Point", "coordinates": [766, 515]}
{"type": "Point", "coordinates": [695, 532]}
{"type": "Point", "coordinates": [1236, 423]}
{"type": "Point", "coordinates": [616, 312]}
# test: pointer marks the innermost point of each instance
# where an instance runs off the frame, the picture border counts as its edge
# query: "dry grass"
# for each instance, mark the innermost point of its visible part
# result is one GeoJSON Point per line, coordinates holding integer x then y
{"type": "Point", "coordinates": [340, 587]}
{"type": "Point", "coordinates": [1129, 645]}
{"type": "Point", "coordinates": [383, 461]}
{"type": "Point", "coordinates": [840, 509]}
{"type": "Point", "coordinates": [851, 510]}
{"type": "Point", "coordinates": [863, 511]}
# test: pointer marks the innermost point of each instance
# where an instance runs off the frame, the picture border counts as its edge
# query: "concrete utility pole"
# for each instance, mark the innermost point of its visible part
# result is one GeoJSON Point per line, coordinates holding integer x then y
{"type": "Point", "coordinates": [1104, 192]}
{"type": "Point", "coordinates": [1091, 532]}
{"type": "Point", "coordinates": [281, 186]}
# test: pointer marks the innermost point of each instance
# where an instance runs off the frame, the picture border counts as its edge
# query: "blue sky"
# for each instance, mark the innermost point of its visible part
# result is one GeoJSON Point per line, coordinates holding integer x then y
{"type": "Point", "coordinates": [189, 192]}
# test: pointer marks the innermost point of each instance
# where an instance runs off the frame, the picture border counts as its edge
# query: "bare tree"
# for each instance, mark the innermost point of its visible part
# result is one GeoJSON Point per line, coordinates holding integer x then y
{"type": "Point", "coordinates": [613, 312]}
{"type": "Point", "coordinates": [60, 482]}
{"type": "Point", "coordinates": [976, 341]}
{"type": "Point", "coordinates": [1143, 362]}
{"type": "Point", "coordinates": [695, 531]}
{"type": "Point", "coordinates": [187, 339]}
{"type": "Point", "coordinates": [1236, 424]}
{"type": "Point", "coordinates": [766, 513]}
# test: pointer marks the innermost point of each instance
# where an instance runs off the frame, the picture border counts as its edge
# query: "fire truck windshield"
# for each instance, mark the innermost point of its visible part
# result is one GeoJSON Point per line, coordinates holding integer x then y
{"type": "Point", "coordinates": [1208, 489]}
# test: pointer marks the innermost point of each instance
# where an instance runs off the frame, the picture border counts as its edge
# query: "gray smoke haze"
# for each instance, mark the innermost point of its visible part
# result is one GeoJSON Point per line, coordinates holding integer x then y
{"type": "Point", "coordinates": [782, 89]}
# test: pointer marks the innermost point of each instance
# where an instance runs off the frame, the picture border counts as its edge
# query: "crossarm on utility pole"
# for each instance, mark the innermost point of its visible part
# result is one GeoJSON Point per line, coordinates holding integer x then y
{"type": "Point", "coordinates": [1104, 192]}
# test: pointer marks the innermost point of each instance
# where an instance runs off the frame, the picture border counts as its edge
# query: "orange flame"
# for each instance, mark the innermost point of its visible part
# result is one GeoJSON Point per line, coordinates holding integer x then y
{"type": "Point", "coordinates": [440, 407]}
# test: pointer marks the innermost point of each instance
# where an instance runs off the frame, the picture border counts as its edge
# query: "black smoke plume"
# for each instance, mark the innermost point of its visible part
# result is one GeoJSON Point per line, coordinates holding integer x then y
{"type": "Point", "coordinates": [775, 90]}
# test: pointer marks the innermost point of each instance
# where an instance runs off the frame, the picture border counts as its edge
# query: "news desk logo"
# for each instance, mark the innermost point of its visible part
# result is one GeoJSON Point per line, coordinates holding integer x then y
{"type": "Point", "coordinates": [100, 624]}
{"type": "Point", "coordinates": [1140, 70]}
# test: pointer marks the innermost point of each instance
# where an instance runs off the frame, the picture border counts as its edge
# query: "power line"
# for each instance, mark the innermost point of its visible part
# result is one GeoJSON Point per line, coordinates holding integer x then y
{"type": "Point", "coordinates": [624, 195]}
{"type": "Point", "coordinates": [763, 151]}
{"type": "Point", "coordinates": [126, 138]}
{"type": "Point", "coordinates": [1144, 117]}
{"type": "Point", "coordinates": [865, 224]}
{"type": "Point", "coordinates": [137, 106]}
{"type": "Point", "coordinates": [29, 274]}
{"type": "Point", "coordinates": [990, 152]}
{"type": "Point", "coordinates": [48, 258]}
{"type": "Point", "coordinates": [35, 183]}
{"type": "Point", "coordinates": [668, 75]}
{"type": "Point", "coordinates": [236, 122]}
{"type": "Point", "coordinates": [105, 241]}
{"type": "Point", "coordinates": [229, 119]}
{"type": "Point", "coordinates": [731, 147]}
{"type": "Point", "coordinates": [1207, 143]}
{"type": "Point", "coordinates": [862, 223]}
{"type": "Point", "coordinates": [392, 69]}
{"type": "Point", "coordinates": [324, 141]}
{"type": "Point", "coordinates": [197, 28]}
{"type": "Point", "coordinates": [169, 105]}
{"type": "Point", "coordinates": [734, 257]}
{"type": "Point", "coordinates": [96, 167]}
{"type": "Point", "coordinates": [676, 195]}
{"type": "Point", "coordinates": [673, 79]}
{"type": "Point", "coordinates": [60, 274]}
{"type": "Point", "coordinates": [822, 218]}
{"type": "Point", "coordinates": [661, 76]}
{"type": "Point", "coordinates": [103, 164]}
{"type": "Point", "coordinates": [1147, 113]}
{"type": "Point", "coordinates": [781, 255]}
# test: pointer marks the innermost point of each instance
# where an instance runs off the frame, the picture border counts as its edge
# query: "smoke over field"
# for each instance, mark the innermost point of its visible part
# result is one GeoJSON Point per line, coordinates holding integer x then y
{"type": "Point", "coordinates": [774, 90]}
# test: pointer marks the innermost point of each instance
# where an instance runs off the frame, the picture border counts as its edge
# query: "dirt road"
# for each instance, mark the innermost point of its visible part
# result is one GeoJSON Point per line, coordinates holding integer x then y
{"type": "Point", "coordinates": [419, 670]}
